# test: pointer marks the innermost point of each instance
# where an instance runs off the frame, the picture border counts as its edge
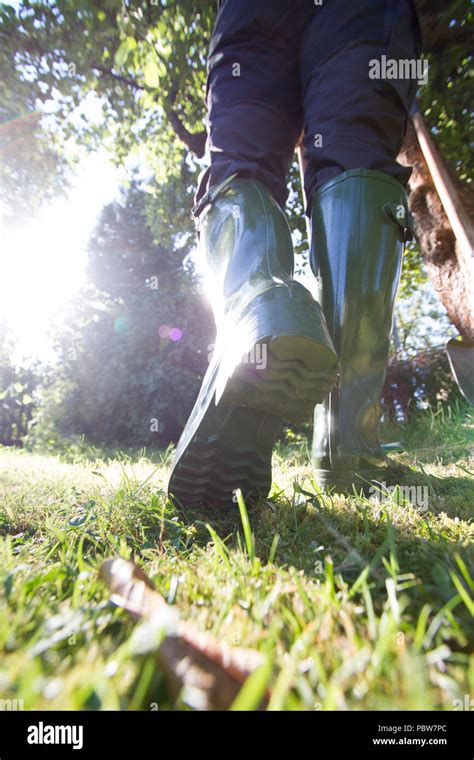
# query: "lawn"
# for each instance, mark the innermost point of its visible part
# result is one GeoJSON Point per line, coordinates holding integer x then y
{"type": "Point", "coordinates": [355, 603]}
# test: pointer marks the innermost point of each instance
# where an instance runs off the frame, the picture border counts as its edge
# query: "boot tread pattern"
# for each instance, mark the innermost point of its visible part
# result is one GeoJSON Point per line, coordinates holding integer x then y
{"type": "Point", "coordinates": [210, 472]}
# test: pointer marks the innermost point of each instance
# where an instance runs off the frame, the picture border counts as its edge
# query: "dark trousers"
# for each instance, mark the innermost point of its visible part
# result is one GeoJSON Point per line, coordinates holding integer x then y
{"type": "Point", "coordinates": [277, 67]}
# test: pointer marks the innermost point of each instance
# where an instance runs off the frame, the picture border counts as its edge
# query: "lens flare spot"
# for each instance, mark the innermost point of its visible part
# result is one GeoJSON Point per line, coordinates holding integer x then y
{"type": "Point", "coordinates": [122, 324]}
{"type": "Point", "coordinates": [163, 331]}
{"type": "Point", "coordinates": [175, 334]}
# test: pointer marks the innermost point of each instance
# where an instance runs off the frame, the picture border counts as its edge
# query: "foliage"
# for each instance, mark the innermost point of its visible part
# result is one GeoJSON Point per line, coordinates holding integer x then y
{"type": "Point", "coordinates": [18, 386]}
{"type": "Point", "coordinates": [109, 73]}
{"type": "Point", "coordinates": [447, 100]}
{"type": "Point", "coordinates": [422, 381]}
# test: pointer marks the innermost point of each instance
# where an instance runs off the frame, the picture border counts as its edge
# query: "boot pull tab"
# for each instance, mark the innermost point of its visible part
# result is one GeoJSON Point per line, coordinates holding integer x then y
{"type": "Point", "coordinates": [399, 215]}
{"type": "Point", "coordinates": [210, 196]}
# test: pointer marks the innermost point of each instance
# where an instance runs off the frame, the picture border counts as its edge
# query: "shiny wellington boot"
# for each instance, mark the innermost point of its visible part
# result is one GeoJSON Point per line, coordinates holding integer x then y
{"type": "Point", "coordinates": [360, 222]}
{"type": "Point", "coordinates": [273, 359]}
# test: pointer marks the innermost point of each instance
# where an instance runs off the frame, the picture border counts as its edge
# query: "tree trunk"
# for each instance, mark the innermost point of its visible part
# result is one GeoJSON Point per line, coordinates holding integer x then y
{"type": "Point", "coordinates": [448, 267]}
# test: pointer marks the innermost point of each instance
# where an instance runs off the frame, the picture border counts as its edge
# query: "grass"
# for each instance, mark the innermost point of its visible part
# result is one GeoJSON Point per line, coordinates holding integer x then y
{"type": "Point", "coordinates": [357, 603]}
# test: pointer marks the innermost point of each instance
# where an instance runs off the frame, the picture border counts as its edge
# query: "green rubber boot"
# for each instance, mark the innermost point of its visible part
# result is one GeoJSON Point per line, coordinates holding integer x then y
{"type": "Point", "coordinates": [360, 222]}
{"type": "Point", "coordinates": [273, 359]}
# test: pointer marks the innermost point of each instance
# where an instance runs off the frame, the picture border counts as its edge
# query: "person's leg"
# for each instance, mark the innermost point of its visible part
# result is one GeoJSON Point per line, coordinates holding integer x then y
{"type": "Point", "coordinates": [354, 127]}
{"type": "Point", "coordinates": [352, 119]}
{"type": "Point", "coordinates": [253, 92]}
{"type": "Point", "coordinates": [273, 358]}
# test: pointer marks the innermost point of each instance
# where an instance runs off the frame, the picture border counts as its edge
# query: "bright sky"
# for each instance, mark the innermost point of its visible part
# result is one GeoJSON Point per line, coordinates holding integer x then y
{"type": "Point", "coordinates": [42, 263]}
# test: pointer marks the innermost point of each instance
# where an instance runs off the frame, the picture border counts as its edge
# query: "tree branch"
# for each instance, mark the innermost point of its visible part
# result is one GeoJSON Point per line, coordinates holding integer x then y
{"type": "Point", "coordinates": [124, 80]}
{"type": "Point", "coordinates": [195, 141]}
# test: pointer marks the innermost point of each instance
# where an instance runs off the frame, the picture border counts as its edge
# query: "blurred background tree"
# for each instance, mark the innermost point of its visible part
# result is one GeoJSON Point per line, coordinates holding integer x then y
{"type": "Point", "coordinates": [133, 347]}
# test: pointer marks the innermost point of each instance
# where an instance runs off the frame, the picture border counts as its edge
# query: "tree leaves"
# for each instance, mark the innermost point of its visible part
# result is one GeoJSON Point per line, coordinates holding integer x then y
{"type": "Point", "coordinates": [126, 47]}
{"type": "Point", "coordinates": [151, 73]}
{"type": "Point", "coordinates": [157, 49]}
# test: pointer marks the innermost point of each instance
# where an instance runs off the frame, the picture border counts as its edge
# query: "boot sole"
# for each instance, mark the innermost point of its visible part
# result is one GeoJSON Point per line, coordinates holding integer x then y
{"type": "Point", "coordinates": [229, 439]}
{"type": "Point", "coordinates": [344, 482]}
{"type": "Point", "coordinates": [290, 385]}
{"type": "Point", "coordinates": [232, 449]}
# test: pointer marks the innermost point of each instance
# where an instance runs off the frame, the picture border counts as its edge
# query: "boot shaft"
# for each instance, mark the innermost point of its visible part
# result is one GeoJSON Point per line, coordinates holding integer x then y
{"type": "Point", "coordinates": [360, 221]}
{"type": "Point", "coordinates": [245, 244]}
